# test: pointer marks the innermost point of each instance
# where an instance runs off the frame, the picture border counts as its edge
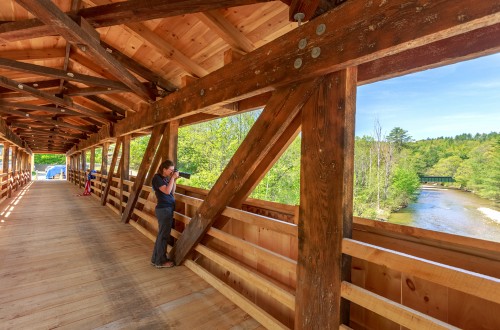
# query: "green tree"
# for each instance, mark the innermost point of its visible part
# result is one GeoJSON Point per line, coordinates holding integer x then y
{"type": "Point", "coordinates": [446, 166]}
{"type": "Point", "coordinates": [399, 137]}
{"type": "Point", "coordinates": [50, 159]}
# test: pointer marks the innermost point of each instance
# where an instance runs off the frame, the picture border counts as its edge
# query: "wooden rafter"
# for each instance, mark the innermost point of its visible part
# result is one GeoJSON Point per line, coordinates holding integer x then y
{"type": "Point", "coordinates": [275, 63]}
{"type": "Point", "coordinates": [83, 34]}
{"type": "Point", "coordinates": [7, 134]}
{"type": "Point", "coordinates": [169, 51]}
{"type": "Point", "coordinates": [62, 74]}
{"type": "Point", "coordinates": [216, 21]}
{"type": "Point", "coordinates": [119, 13]}
{"type": "Point", "coordinates": [44, 84]}
{"type": "Point", "coordinates": [139, 69]}
{"type": "Point", "coordinates": [47, 120]}
{"type": "Point", "coordinates": [106, 104]}
{"type": "Point", "coordinates": [64, 102]}
{"type": "Point", "coordinates": [33, 54]}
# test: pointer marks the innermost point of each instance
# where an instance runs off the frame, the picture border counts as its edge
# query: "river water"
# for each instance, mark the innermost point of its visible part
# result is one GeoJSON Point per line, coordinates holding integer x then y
{"type": "Point", "coordinates": [452, 211]}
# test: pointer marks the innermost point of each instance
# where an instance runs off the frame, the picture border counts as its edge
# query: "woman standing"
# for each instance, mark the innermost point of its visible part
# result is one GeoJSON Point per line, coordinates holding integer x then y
{"type": "Point", "coordinates": [164, 188]}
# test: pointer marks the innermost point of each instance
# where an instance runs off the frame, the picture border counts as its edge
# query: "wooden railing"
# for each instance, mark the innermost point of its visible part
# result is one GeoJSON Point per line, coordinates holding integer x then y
{"type": "Point", "coordinates": [401, 276]}
{"type": "Point", "coordinates": [13, 181]}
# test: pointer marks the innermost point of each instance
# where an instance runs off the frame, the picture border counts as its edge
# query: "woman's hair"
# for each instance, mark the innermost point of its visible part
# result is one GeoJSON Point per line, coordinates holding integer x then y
{"type": "Point", "coordinates": [166, 164]}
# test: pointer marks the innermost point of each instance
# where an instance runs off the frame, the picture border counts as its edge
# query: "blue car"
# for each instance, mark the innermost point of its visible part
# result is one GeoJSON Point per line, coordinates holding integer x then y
{"type": "Point", "coordinates": [55, 170]}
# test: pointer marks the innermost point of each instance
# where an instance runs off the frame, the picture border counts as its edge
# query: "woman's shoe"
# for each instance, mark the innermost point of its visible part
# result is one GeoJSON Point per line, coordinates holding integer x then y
{"type": "Point", "coordinates": [168, 264]}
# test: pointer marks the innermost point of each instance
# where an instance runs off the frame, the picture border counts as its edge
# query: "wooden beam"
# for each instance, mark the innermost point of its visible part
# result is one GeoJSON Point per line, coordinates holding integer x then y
{"type": "Point", "coordinates": [216, 22]}
{"type": "Point", "coordinates": [5, 159]}
{"type": "Point", "coordinates": [463, 47]}
{"type": "Point", "coordinates": [105, 134]}
{"type": "Point", "coordinates": [269, 160]}
{"type": "Point", "coordinates": [139, 69]}
{"type": "Point", "coordinates": [109, 180]}
{"type": "Point", "coordinates": [279, 112]}
{"type": "Point", "coordinates": [44, 84]}
{"type": "Point", "coordinates": [166, 150]}
{"type": "Point", "coordinates": [305, 7]}
{"type": "Point", "coordinates": [31, 128]}
{"type": "Point", "coordinates": [62, 74]}
{"type": "Point", "coordinates": [104, 158]}
{"type": "Point", "coordinates": [166, 49]}
{"type": "Point", "coordinates": [33, 54]}
{"type": "Point", "coordinates": [106, 104]}
{"type": "Point", "coordinates": [118, 13]}
{"type": "Point", "coordinates": [47, 120]}
{"type": "Point", "coordinates": [54, 110]}
{"type": "Point", "coordinates": [156, 135]}
{"type": "Point", "coordinates": [7, 134]}
{"type": "Point", "coordinates": [25, 29]}
{"type": "Point", "coordinates": [407, 317]}
{"type": "Point", "coordinates": [327, 170]}
{"type": "Point", "coordinates": [125, 169]}
{"type": "Point", "coordinates": [84, 91]}
{"type": "Point", "coordinates": [65, 102]}
{"type": "Point", "coordinates": [273, 64]}
{"type": "Point", "coordinates": [50, 14]}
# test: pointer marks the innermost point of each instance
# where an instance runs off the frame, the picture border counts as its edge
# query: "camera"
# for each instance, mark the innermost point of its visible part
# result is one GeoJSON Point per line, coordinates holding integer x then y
{"type": "Point", "coordinates": [183, 174]}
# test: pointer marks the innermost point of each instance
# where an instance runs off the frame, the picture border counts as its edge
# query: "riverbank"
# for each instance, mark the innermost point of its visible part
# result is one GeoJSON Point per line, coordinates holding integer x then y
{"type": "Point", "coordinates": [453, 211]}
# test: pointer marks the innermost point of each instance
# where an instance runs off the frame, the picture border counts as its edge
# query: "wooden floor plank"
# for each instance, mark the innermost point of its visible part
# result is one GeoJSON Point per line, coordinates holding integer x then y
{"type": "Point", "coordinates": [67, 262]}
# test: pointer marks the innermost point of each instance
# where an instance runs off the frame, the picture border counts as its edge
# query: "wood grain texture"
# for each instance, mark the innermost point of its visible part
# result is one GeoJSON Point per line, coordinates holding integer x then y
{"type": "Point", "coordinates": [325, 201]}
{"type": "Point", "coordinates": [93, 272]}
{"type": "Point", "coordinates": [404, 27]}
{"type": "Point", "coordinates": [279, 112]}
{"type": "Point", "coordinates": [149, 153]}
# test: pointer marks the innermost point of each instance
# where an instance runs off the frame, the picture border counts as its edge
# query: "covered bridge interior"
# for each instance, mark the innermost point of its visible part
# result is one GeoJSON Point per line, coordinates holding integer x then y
{"type": "Point", "coordinates": [85, 74]}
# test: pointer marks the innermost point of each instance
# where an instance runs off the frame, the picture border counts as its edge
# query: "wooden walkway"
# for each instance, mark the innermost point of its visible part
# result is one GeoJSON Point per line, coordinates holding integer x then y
{"type": "Point", "coordinates": [67, 262]}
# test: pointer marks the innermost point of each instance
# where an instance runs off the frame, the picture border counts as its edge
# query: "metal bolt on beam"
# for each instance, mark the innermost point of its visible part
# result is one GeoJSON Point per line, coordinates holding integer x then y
{"type": "Point", "coordinates": [299, 17]}
{"type": "Point", "coordinates": [302, 43]}
{"type": "Point", "coordinates": [298, 63]}
{"type": "Point", "coordinates": [320, 29]}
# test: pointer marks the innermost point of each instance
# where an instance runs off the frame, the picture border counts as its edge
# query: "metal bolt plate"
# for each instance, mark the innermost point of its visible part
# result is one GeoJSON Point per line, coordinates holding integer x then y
{"type": "Point", "coordinates": [302, 43]}
{"type": "Point", "coordinates": [320, 29]}
{"type": "Point", "coordinates": [298, 63]}
{"type": "Point", "coordinates": [315, 52]}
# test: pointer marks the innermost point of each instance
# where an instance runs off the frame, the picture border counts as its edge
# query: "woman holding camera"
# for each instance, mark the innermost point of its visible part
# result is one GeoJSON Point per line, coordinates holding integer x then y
{"type": "Point", "coordinates": [164, 188]}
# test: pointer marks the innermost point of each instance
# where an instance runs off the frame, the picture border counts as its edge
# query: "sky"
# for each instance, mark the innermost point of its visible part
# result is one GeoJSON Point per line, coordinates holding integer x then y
{"type": "Point", "coordinates": [447, 101]}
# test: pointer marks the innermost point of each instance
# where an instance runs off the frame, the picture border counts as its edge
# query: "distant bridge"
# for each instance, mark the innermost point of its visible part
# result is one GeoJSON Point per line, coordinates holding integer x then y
{"type": "Point", "coordinates": [436, 179]}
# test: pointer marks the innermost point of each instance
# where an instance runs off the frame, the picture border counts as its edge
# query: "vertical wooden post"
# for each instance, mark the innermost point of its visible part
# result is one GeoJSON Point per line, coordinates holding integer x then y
{"type": "Point", "coordinates": [326, 193]}
{"type": "Point", "coordinates": [143, 170]}
{"type": "Point", "coordinates": [84, 168]}
{"type": "Point", "coordinates": [78, 169]}
{"type": "Point", "coordinates": [125, 174]}
{"type": "Point", "coordinates": [5, 166]}
{"type": "Point", "coordinates": [14, 167]}
{"type": "Point", "coordinates": [104, 163]}
{"type": "Point", "coordinates": [109, 181]}
{"type": "Point", "coordinates": [92, 158]}
{"type": "Point", "coordinates": [124, 167]}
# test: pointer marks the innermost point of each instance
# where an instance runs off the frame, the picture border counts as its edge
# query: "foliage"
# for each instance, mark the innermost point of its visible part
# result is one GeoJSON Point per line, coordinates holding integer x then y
{"type": "Point", "coordinates": [386, 168]}
{"type": "Point", "coordinates": [399, 137]}
{"type": "Point", "coordinates": [137, 149]}
{"type": "Point", "coordinates": [50, 159]}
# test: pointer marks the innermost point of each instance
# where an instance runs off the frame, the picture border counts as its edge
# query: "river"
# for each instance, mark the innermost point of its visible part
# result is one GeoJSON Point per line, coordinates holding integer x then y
{"type": "Point", "coordinates": [452, 211]}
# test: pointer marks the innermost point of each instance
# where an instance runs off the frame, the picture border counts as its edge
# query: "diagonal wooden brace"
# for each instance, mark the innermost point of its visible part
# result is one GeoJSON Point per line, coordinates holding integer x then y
{"type": "Point", "coordinates": [280, 111]}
